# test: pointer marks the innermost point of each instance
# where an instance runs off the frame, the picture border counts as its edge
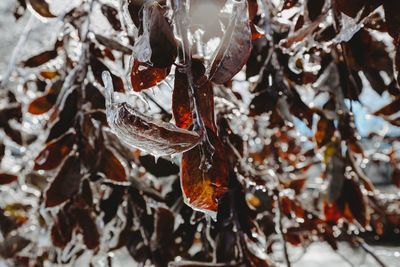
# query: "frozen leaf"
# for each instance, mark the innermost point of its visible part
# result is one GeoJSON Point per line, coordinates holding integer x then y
{"type": "Point", "coordinates": [66, 116]}
{"type": "Point", "coordinates": [41, 7]}
{"type": "Point", "coordinates": [7, 178]}
{"type": "Point", "coordinates": [289, 4]}
{"type": "Point", "coordinates": [91, 236]}
{"type": "Point", "coordinates": [395, 177]}
{"type": "Point", "coordinates": [202, 189]}
{"type": "Point", "coordinates": [55, 152]}
{"type": "Point", "coordinates": [40, 59]}
{"type": "Point", "coordinates": [12, 245]}
{"type": "Point", "coordinates": [42, 104]}
{"type": "Point", "coordinates": [314, 8]}
{"type": "Point", "coordinates": [325, 131]}
{"type": "Point", "coordinates": [112, 44]}
{"type": "Point", "coordinates": [235, 46]}
{"type": "Point", "coordinates": [66, 183]}
{"type": "Point", "coordinates": [350, 8]}
{"type": "Point", "coordinates": [110, 205]}
{"type": "Point", "coordinates": [160, 167]}
{"type": "Point", "coordinates": [98, 67]}
{"type": "Point", "coordinates": [389, 109]}
{"type": "Point", "coordinates": [156, 137]}
{"type": "Point", "coordinates": [112, 167]}
{"type": "Point", "coordinates": [111, 14]}
{"type": "Point", "coordinates": [144, 76]}
{"type": "Point", "coordinates": [336, 176]}
{"type": "Point", "coordinates": [392, 9]}
{"type": "Point", "coordinates": [163, 236]}
{"type": "Point", "coordinates": [61, 231]}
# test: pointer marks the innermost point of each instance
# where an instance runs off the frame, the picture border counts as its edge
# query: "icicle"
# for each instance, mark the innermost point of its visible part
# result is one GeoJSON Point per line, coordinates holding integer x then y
{"type": "Point", "coordinates": [142, 49]}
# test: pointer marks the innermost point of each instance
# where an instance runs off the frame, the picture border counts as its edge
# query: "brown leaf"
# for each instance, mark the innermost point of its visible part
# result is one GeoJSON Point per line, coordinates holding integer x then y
{"type": "Point", "coordinates": [113, 44]}
{"type": "Point", "coordinates": [314, 8]}
{"type": "Point", "coordinates": [144, 76]}
{"type": "Point", "coordinates": [162, 40]}
{"type": "Point", "coordinates": [6, 178]}
{"type": "Point", "coordinates": [99, 67]}
{"type": "Point", "coordinates": [91, 236]}
{"type": "Point", "coordinates": [389, 109]}
{"type": "Point", "coordinates": [350, 8]}
{"type": "Point", "coordinates": [12, 245]}
{"type": "Point", "coordinates": [66, 184]}
{"type": "Point", "coordinates": [112, 167]}
{"type": "Point", "coordinates": [111, 14]}
{"type": "Point", "coordinates": [41, 7]}
{"type": "Point", "coordinates": [156, 137]}
{"type": "Point", "coordinates": [42, 104]}
{"type": "Point", "coordinates": [235, 47]}
{"type": "Point", "coordinates": [325, 131]}
{"type": "Point", "coordinates": [395, 177]}
{"type": "Point", "coordinates": [55, 152]}
{"type": "Point", "coordinates": [64, 224]}
{"type": "Point", "coordinates": [40, 59]}
{"type": "Point", "coordinates": [202, 189]}
{"type": "Point", "coordinates": [289, 4]}
{"type": "Point", "coordinates": [392, 10]}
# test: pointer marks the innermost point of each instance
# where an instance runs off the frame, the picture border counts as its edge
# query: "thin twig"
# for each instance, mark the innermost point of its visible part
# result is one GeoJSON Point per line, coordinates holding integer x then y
{"type": "Point", "coordinates": [283, 238]}
{"type": "Point", "coordinates": [368, 249]}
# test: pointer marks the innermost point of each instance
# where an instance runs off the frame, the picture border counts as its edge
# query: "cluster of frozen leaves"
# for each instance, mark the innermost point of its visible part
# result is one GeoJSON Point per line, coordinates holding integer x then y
{"type": "Point", "coordinates": [108, 174]}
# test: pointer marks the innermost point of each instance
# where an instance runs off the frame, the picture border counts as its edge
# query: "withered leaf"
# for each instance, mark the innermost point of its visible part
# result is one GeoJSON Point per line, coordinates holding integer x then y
{"type": "Point", "coordinates": [111, 14]}
{"type": "Point", "coordinates": [42, 104]}
{"type": "Point", "coordinates": [164, 228]}
{"type": "Point", "coordinates": [289, 4]}
{"type": "Point", "coordinates": [395, 177]}
{"type": "Point", "coordinates": [160, 167]}
{"type": "Point", "coordinates": [55, 152]}
{"type": "Point", "coordinates": [392, 9]}
{"type": "Point", "coordinates": [350, 8]}
{"type": "Point", "coordinates": [91, 236]}
{"type": "Point", "coordinates": [202, 189]}
{"type": "Point", "coordinates": [112, 44]}
{"type": "Point", "coordinates": [162, 40]}
{"type": "Point", "coordinates": [7, 178]}
{"type": "Point", "coordinates": [65, 117]}
{"type": "Point", "coordinates": [156, 137]}
{"type": "Point", "coordinates": [144, 76]}
{"type": "Point", "coordinates": [110, 205]}
{"type": "Point", "coordinates": [235, 47]}
{"type": "Point", "coordinates": [204, 92]}
{"type": "Point", "coordinates": [314, 8]}
{"type": "Point", "coordinates": [41, 7]}
{"type": "Point", "coordinates": [99, 67]}
{"type": "Point", "coordinates": [12, 245]}
{"type": "Point", "coordinates": [66, 183]}
{"type": "Point", "coordinates": [61, 231]}
{"type": "Point", "coordinates": [112, 167]}
{"type": "Point", "coordinates": [389, 109]}
{"type": "Point", "coordinates": [325, 131]}
{"type": "Point", "coordinates": [40, 59]}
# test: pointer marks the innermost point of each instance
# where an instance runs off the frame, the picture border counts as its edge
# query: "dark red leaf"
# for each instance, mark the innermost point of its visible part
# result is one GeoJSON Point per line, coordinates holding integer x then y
{"type": "Point", "coordinates": [41, 7]}
{"type": "Point", "coordinates": [113, 44]}
{"type": "Point", "coordinates": [314, 8]}
{"type": "Point", "coordinates": [61, 231]}
{"type": "Point", "coordinates": [98, 68]}
{"type": "Point", "coordinates": [350, 8]}
{"type": "Point", "coordinates": [389, 109]}
{"type": "Point", "coordinates": [12, 245]}
{"type": "Point", "coordinates": [42, 104]}
{"type": "Point", "coordinates": [112, 167]}
{"type": "Point", "coordinates": [111, 14]}
{"type": "Point", "coordinates": [110, 205]}
{"type": "Point", "coordinates": [40, 59]}
{"type": "Point", "coordinates": [396, 177]}
{"type": "Point", "coordinates": [289, 4]}
{"type": "Point", "coordinates": [144, 76]}
{"type": "Point", "coordinates": [66, 183]}
{"type": "Point", "coordinates": [235, 47]}
{"type": "Point", "coordinates": [160, 167]}
{"type": "Point", "coordinates": [55, 152]}
{"type": "Point", "coordinates": [6, 178]}
{"type": "Point", "coordinates": [201, 188]}
{"type": "Point", "coordinates": [156, 137]}
{"type": "Point", "coordinates": [91, 236]}
{"type": "Point", "coordinates": [325, 131]}
{"type": "Point", "coordinates": [392, 10]}
{"type": "Point", "coordinates": [162, 40]}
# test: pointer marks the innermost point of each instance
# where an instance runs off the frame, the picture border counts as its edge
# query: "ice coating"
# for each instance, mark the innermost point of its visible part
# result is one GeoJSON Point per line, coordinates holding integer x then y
{"type": "Point", "coordinates": [142, 48]}
{"type": "Point", "coordinates": [236, 41]}
{"type": "Point", "coordinates": [138, 130]}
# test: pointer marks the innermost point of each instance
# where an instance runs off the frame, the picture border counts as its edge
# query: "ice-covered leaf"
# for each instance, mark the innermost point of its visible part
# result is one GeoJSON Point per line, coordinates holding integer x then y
{"type": "Point", "coordinates": [144, 76]}
{"type": "Point", "coordinates": [112, 167]}
{"type": "Point", "coordinates": [66, 182]}
{"type": "Point", "coordinates": [235, 46]}
{"type": "Point", "coordinates": [389, 109]}
{"type": "Point", "coordinates": [11, 245]}
{"type": "Point", "coordinates": [7, 178]}
{"type": "Point", "coordinates": [55, 152]}
{"type": "Point", "coordinates": [85, 222]}
{"type": "Point", "coordinates": [325, 131]}
{"type": "Point", "coordinates": [203, 188]}
{"type": "Point", "coordinates": [40, 59]}
{"type": "Point", "coordinates": [111, 13]}
{"type": "Point", "coordinates": [41, 7]}
{"type": "Point", "coordinates": [392, 9]}
{"type": "Point", "coordinates": [98, 67]}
